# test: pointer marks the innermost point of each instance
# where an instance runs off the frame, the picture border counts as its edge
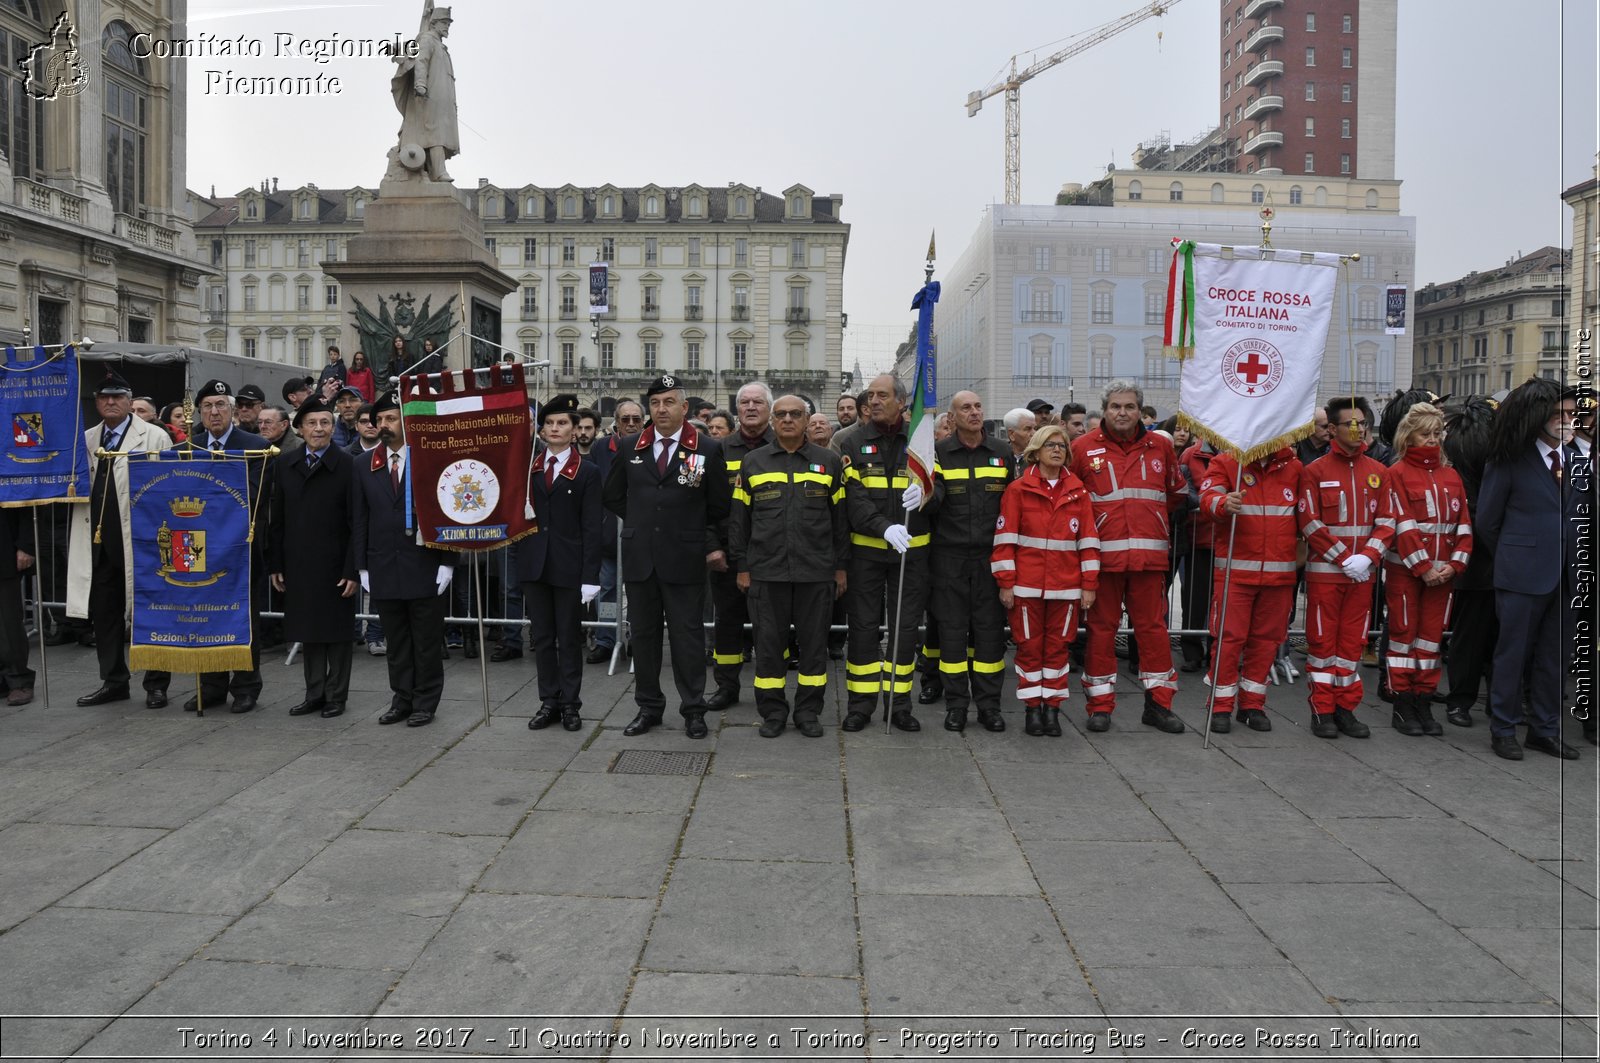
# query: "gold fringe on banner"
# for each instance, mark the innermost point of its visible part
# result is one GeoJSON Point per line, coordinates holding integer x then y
{"type": "Point", "coordinates": [1255, 453]}
{"type": "Point", "coordinates": [1177, 353]}
{"type": "Point", "coordinates": [191, 659]}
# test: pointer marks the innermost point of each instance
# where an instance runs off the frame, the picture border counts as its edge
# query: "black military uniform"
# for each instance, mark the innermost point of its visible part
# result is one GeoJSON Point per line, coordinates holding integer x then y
{"type": "Point", "coordinates": [16, 534]}
{"type": "Point", "coordinates": [782, 507]}
{"type": "Point", "coordinates": [965, 600]}
{"type": "Point", "coordinates": [671, 501]}
{"type": "Point", "coordinates": [875, 478]}
{"type": "Point", "coordinates": [727, 654]}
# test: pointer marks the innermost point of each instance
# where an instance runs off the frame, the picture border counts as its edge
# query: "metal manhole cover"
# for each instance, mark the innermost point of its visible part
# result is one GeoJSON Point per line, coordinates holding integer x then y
{"type": "Point", "coordinates": [654, 762]}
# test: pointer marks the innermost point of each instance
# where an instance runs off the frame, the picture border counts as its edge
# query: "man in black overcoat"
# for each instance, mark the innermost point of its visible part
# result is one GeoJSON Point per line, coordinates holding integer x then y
{"type": "Point", "coordinates": [310, 558]}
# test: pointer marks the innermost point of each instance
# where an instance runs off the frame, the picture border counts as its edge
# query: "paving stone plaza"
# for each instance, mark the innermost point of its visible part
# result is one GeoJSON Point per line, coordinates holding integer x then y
{"type": "Point", "coordinates": [260, 886]}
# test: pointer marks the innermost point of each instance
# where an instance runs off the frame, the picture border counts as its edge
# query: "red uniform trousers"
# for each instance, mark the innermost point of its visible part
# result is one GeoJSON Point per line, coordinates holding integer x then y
{"type": "Point", "coordinates": [1043, 629]}
{"type": "Point", "coordinates": [1146, 596]}
{"type": "Point", "coordinates": [1417, 617]}
{"type": "Point", "coordinates": [1337, 616]}
{"type": "Point", "coordinates": [1247, 641]}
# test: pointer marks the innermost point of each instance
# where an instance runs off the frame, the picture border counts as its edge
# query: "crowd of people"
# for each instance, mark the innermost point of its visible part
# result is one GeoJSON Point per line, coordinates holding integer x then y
{"type": "Point", "coordinates": [1442, 524]}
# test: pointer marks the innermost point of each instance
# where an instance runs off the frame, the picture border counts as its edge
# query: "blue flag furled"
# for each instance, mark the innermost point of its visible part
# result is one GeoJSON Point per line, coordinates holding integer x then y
{"type": "Point", "coordinates": [191, 561]}
{"type": "Point", "coordinates": [924, 396]}
{"type": "Point", "coordinates": [44, 456]}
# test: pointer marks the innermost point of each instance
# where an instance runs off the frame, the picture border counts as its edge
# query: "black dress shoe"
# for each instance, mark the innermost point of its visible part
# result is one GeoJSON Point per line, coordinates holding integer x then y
{"type": "Point", "coordinates": [597, 655]}
{"type": "Point", "coordinates": [420, 719]}
{"type": "Point", "coordinates": [307, 707]}
{"type": "Point", "coordinates": [904, 721]}
{"type": "Point", "coordinates": [1221, 723]}
{"type": "Point", "coordinates": [694, 725]}
{"type": "Point", "coordinates": [104, 696]}
{"type": "Point", "coordinates": [991, 720]}
{"type": "Point", "coordinates": [640, 724]}
{"type": "Point", "coordinates": [332, 709]}
{"type": "Point", "coordinates": [1322, 725]}
{"type": "Point", "coordinates": [1459, 715]}
{"type": "Point", "coordinates": [394, 715]}
{"type": "Point", "coordinates": [548, 714]}
{"type": "Point", "coordinates": [155, 699]}
{"type": "Point", "coordinates": [470, 651]}
{"type": "Point", "coordinates": [1052, 722]}
{"type": "Point", "coordinates": [571, 720]}
{"type": "Point", "coordinates": [1161, 719]}
{"type": "Point", "coordinates": [955, 720]}
{"type": "Point", "coordinates": [1551, 745]}
{"type": "Point", "coordinates": [1098, 722]}
{"type": "Point", "coordinates": [1505, 746]}
{"type": "Point", "coordinates": [771, 728]}
{"type": "Point", "coordinates": [854, 721]}
{"type": "Point", "coordinates": [1255, 719]}
{"type": "Point", "coordinates": [723, 698]}
{"type": "Point", "coordinates": [930, 693]}
{"type": "Point", "coordinates": [506, 653]}
{"type": "Point", "coordinates": [1345, 720]}
{"type": "Point", "coordinates": [243, 703]}
{"type": "Point", "coordinates": [809, 728]}
{"type": "Point", "coordinates": [1033, 720]}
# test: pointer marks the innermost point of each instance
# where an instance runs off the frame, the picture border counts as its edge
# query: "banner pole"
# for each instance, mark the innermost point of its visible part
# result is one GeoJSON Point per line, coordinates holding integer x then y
{"type": "Point", "coordinates": [620, 595]}
{"type": "Point", "coordinates": [1222, 621]}
{"type": "Point", "coordinates": [894, 652]}
{"type": "Point", "coordinates": [38, 608]}
{"type": "Point", "coordinates": [483, 647]}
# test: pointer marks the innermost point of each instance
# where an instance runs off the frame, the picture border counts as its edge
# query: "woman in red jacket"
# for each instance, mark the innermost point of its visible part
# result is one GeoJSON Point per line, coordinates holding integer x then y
{"type": "Point", "coordinates": [360, 377]}
{"type": "Point", "coordinates": [1046, 560]}
{"type": "Point", "coordinates": [1426, 503]}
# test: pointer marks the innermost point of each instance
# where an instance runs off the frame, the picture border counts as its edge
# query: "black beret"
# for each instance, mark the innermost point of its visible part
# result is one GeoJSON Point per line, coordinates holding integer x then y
{"type": "Point", "coordinates": [311, 405]}
{"type": "Point", "coordinates": [387, 401]}
{"type": "Point", "coordinates": [663, 383]}
{"type": "Point", "coordinates": [213, 387]}
{"type": "Point", "coordinates": [113, 384]}
{"type": "Point", "coordinates": [564, 403]}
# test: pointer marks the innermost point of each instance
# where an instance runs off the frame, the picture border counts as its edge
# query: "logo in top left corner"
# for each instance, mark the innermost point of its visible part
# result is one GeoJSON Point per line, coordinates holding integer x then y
{"type": "Point", "coordinates": [55, 69]}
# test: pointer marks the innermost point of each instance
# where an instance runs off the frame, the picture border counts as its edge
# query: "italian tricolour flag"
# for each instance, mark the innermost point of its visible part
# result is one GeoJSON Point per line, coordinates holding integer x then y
{"type": "Point", "coordinates": [924, 395]}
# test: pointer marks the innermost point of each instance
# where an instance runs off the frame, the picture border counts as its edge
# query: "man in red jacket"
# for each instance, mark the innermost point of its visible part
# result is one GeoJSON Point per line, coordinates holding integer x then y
{"type": "Point", "coordinates": [1255, 561]}
{"type": "Point", "coordinates": [1134, 483]}
{"type": "Point", "coordinates": [1340, 494]}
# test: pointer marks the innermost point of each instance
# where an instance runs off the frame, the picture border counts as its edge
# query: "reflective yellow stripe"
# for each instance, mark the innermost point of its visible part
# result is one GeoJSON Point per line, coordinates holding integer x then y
{"type": "Point", "coordinates": [953, 667]}
{"type": "Point", "coordinates": [850, 473]}
{"type": "Point", "coordinates": [870, 668]}
{"type": "Point", "coordinates": [903, 669]}
{"type": "Point", "coordinates": [760, 478]}
{"type": "Point", "coordinates": [903, 687]}
{"type": "Point", "coordinates": [988, 666]}
{"type": "Point", "coordinates": [727, 658]}
{"type": "Point", "coordinates": [954, 474]}
{"type": "Point", "coordinates": [813, 680]}
{"type": "Point", "coordinates": [859, 686]}
{"type": "Point", "coordinates": [763, 683]}
{"type": "Point", "coordinates": [931, 652]}
{"type": "Point", "coordinates": [732, 464]}
{"type": "Point", "coordinates": [996, 471]}
{"type": "Point", "coordinates": [883, 482]}
{"type": "Point", "coordinates": [867, 540]}
{"type": "Point", "coordinates": [814, 477]}
{"type": "Point", "coordinates": [740, 496]}
{"type": "Point", "coordinates": [838, 496]}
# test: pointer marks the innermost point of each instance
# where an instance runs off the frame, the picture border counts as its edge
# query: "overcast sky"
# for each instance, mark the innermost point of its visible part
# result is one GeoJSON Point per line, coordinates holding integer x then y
{"type": "Point", "coordinates": [1496, 111]}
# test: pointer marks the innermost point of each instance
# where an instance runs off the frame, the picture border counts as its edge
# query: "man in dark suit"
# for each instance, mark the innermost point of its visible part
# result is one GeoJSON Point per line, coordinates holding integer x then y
{"type": "Point", "coordinates": [1578, 539]}
{"type": "Point", "coordinates": [559, 565]}
{"type": "Point", "coordinates": [217, 432]}
{"type": "Point", "coordinates": [309, 556]}
{"type": "Point", "coordinates": [1520, 513]}
{"type": "Point", "coordinates": [16, 562]}
{"type": "Point", "coordinates": [407, 580]}
{"type": "Point", "coordinates": [669, 486]}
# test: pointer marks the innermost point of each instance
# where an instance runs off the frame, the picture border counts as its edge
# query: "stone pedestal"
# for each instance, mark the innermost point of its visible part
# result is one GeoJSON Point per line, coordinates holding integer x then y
{"type": "Point", "coordinates": [421, 246]}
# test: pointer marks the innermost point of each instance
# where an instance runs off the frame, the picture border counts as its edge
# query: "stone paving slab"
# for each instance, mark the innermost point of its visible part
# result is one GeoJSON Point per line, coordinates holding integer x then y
{"type": "Point", "coordinates": [772, 817]}
{"type": "Point", "coordinates": [1088, 802]}
{"type": "Point", "coordinates": [762, 1005]}
{"type": "Point", "coordinates": [555, 853]}
{"type": "Point", "coordinates": [147, 797]}
{"type": "Point", "coordinates": [461, 800]}
{"type": "Point", "coordinates": [1283, 845]}
{"type": "Point", "coordinates": [906, 849]}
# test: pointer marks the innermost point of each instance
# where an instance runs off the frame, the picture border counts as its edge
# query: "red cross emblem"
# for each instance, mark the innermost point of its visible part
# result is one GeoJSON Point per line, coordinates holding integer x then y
{"type": "Point", "coordinates": [1252, 368]}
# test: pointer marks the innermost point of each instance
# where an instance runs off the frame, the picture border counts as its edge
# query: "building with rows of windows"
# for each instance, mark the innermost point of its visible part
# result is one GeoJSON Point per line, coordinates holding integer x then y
{"type": "Point", "coordinates": [720, 285]}
{"type": "Point", "coordinates": [1490, 331]}
{"type": "Point", "coordinates": [1056, 301]}
{"type": "Point", "coordinates": [95, 236]}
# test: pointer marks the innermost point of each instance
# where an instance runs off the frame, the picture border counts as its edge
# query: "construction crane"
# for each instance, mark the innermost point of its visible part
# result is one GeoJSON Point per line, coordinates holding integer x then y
{"type": "Point", "coordinates": [1011, 85]}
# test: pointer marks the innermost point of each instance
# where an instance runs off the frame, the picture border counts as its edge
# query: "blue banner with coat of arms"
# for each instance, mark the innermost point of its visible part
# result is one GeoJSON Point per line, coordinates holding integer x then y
{"type": "Point", "coordinates": [43, 458]}
{"type": "Point", "coordinates": [191, 530]}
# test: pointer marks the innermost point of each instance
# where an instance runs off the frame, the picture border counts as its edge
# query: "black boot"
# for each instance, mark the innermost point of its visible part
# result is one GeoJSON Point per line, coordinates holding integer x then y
{"type": "Point", "coordinates": [1033, 721]}
{"type": "Point", "coordinates": [1052, 722]}
{"type": "Point", "coordinates": [1405, 715]}
{"type": "Point", "coordinates": [1424, 707]}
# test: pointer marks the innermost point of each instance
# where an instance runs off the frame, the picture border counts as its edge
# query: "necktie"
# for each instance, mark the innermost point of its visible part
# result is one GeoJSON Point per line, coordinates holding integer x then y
{"type": "Point", "coordinates": [216, 444]}
{"type": "Point", "coordinates": [666, 452]}
{"type": "Point", "coordinates": [114, 441]}
{"type": "Point", "coordinates": [394, 472]}
{"type": "Point", "coordinates": [549, 474]}
{"type": "Point", "coordinates": [311, 460]}
{"type": "Point", "coordinates": [1555, 467]}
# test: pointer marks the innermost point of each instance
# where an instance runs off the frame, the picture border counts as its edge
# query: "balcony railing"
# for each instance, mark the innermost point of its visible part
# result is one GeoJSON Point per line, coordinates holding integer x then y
{"type": "Point", "coordinates": [693, 313]}
{"type": "Point", "coordinates": [138, 231]}
{"type": "Point", "coordinates": [1366, 324]}
{"type": "Point", "coordinates": [1263, 105]}
{"type": "Point", "coordinates": [569, 311]}
{"type": "Point", "coordinates": [1267, 138]}
{"type": "Point", "coordinates": [47, 200]}
{"type": "Point", "coordinates": [1258, 8]}
{"type": "Point", "coordinates": [797, 315]}
{"type": "Point", "coordinates": [1262, 71]}
{"type": "Point", "coordinates": [1262, 37]}
{"type": "Point", "coordinates": [740, 313]}
{"type": "Point", "coordinates": [530, 310]}
{"type": "Point", "coordinates": [1043, 317]}
{"type": "Point", "coordinates": [650, 312]}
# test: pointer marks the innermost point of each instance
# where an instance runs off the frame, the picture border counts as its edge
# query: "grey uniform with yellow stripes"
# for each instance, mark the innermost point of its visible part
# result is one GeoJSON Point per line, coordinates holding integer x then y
{"type": "Point", "coordinates": [965, 600]}
{"type": "Point", "coordinates": [788, 531]}
{"type": "Point", "coordinates": [875, 478]}
{"type": "Point", "coordinates": [727, 632]}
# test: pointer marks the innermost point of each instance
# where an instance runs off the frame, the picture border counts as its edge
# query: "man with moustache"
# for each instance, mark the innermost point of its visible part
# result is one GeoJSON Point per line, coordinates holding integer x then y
{"type": "Point", "coordinates": [559, 565]}
{"type": "Point", "coordinates": [407, 580]}
{"type": "Point", "coordinates": [309, 556]}
{"type": "Point", "coordinates": [247, 408]}
{"type": "Point", "coordinates": [754, 410]}
{"type": "Point", "coordinates": [669, 486]}
{"type": "Point", "coordinates": [845, 408]}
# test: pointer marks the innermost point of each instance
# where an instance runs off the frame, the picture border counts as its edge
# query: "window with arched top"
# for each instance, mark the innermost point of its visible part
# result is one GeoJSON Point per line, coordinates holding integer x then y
{"type": "Point", "coordinates": [609, 206]}
{"type": "Point", "coordinates": [305, 208]}
{"type": "Point", "coordinates": [126, 105]}
{"type": "Point", "coordinates": [361, 208]}
{"type": "Point", "coordinates": [799, 204]}
{"type": "Point", "coordinates": [652, 205]}
{"type": "Point", "coordinates": [569, 206]}
{"type": "Point", "coordinates": [694, 206]}
{"type": "Point", "coordinates": [1258, 194]}
{"type": "Point", "coordinates": [1320, 196]}
{"type": "Point", "coordinates": [1218, 193]}
{"type": "Point", "coordinates": [1175, 192]}
{"type": "Point", "coordinates": [740, 204]}
{"type": "Point", "coordinates": [22, 123]}
{"type": "Point", "coordinates": [251, 210]}
{"type": "Point", "coordinates": [1295, 195]}
{"type": "Point", "coordinates": [1372, 198]}
{"type": "Point", "coordinates": [1135, 189]}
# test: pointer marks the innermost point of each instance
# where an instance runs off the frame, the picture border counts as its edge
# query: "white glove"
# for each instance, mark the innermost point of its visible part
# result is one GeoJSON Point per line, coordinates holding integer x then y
{"type": "Point", "coordinates": [897, 536]}
{"type": "Point", "coordinates": [366, 581]}
{"type": "Point", "coordinates": [912, 498]}
{"type": "Point", "coordinates": [1358, 568]}
{"type": "Point", "coordinates": [446, 574]}
{"type": "Point", "coordinates": [590, 591]}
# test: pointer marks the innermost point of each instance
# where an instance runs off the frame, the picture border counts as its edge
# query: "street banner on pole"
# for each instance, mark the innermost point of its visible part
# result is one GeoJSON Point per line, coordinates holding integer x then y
{"type": "Point", "coordinates": [1250, 327]}
{"type": "Point", "coordinates": [470, 451]}
{"type": "Point", "coordinates": [1394, 310]}
{"type": "Point", "coordinates": [44, 456]}
{"type": "Point", "coordinates": [599, 288]}
{"type": "Point", "coordinates": [191, 524]}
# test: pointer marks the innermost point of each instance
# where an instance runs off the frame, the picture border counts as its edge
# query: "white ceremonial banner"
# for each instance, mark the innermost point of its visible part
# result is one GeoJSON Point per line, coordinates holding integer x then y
{"type": "Point", "coordinates": [1260, 328]}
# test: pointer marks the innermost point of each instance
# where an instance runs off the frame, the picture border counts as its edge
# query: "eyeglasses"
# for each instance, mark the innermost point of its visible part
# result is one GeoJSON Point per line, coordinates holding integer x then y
{"type": "Point", "coordinates": [788, 415]}
{"type": "Point", "coordinates": [1054, 444]}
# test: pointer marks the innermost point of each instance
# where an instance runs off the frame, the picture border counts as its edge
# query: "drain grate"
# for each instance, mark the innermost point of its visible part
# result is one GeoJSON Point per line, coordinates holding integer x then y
{"type": "Point", "coordinates": [655, 762]}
